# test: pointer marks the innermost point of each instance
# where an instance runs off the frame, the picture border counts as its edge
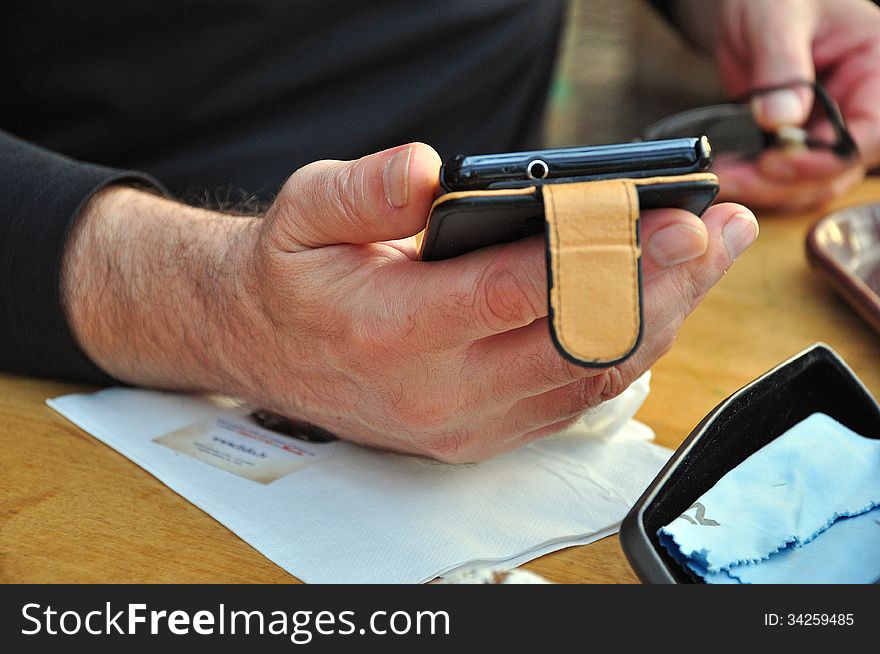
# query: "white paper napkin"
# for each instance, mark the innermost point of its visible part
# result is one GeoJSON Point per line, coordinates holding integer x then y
{"type": "Point", "coordinates": [347, 514]}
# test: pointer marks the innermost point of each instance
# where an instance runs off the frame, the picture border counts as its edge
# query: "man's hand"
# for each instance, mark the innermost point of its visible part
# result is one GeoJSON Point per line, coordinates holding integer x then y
{"type": "Point", "coordinates": [320, 311]}
{"type": "Point", "coordinates": [765, 43]}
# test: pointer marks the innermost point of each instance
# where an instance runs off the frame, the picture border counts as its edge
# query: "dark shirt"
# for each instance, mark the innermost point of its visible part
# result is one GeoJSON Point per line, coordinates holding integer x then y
{"type": "Point", "coordinates": [208, 94]}
{"type": "Point", "coordinates": [220, 100]}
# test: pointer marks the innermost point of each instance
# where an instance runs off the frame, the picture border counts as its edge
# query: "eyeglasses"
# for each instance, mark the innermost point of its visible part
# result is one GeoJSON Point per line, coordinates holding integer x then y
{"type": "Point", "coordinates": [732, 129]}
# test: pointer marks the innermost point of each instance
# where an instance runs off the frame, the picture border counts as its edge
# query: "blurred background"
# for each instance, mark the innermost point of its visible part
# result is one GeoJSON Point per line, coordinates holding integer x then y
{"type": "Point", "coordinates": [622, 66]}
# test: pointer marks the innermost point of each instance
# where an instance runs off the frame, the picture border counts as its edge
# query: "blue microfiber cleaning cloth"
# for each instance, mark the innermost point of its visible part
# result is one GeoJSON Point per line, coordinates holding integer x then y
{"type": "Point", "coordinates": [802, 509]}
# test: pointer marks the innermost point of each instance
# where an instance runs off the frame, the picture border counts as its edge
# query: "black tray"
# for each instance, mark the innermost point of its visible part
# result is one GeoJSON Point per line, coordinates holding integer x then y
{"type": "Point", "coordinates": [817, 379]}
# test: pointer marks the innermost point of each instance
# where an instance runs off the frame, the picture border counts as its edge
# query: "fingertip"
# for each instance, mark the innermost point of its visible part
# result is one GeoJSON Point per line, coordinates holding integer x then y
{"type": "Point", "coordinates": [426, 156]}
{"type": "Point", "coordinates": [424, 173]}
{"type": "Point", "coordinates": [409, 183]}
{"type": "Point", "coordinates": [410, 172]}
{"type": "Point", "coordinates": [781, 108]}
{"type": "Point", "coordinates": [719, 214]}
{"type": "Point", "coordinates": [726, 209]}
{"type": "Point", "coordinates": [738, 226]}
{"type": "Point", "coordinates": [380, 197]}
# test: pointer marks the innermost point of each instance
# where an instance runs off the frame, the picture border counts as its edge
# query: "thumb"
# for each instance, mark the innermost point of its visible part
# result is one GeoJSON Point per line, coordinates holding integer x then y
{"type": "Point", "coordinates": [379, 197]}
{"type": "Point", "coordinates": [780, 40]}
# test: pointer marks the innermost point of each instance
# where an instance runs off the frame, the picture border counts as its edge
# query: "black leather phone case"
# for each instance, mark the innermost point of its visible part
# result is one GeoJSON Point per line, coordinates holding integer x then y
{"type": "Point", "coordinates": [592, 244]}
{"type": "Point", "coordinates": [469, 220]}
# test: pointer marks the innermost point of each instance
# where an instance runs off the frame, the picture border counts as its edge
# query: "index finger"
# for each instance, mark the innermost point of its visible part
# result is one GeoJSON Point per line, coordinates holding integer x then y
{"type": "Point", "coordinates": [479, 294]}
{"type": "Point", "coordinates": [743, 182]}
{"type": "Point", "coordinates": [807, 165]}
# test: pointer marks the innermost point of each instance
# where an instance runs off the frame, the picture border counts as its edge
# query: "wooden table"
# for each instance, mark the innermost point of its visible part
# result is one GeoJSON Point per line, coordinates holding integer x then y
{"type": "Point", "coordinates": [73, 510]}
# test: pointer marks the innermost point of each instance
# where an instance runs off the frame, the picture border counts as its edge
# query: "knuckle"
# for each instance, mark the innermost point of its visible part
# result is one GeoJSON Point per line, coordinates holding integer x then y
{"type": "Point", "coordinates": [690, 287]}
{"type": "Point", "coordinates": [582, 395]}
{"type": "Point", "coordinates": [606, 386]}
{"type": "Point", "coordinates": [307, 185]}
{"type": "Point", "coordinates": [345, 192]}
{"type": "Point", "coordinates": [613, 383]}
{"type": "Point", "coordinates": [330, 188]}
{"type": "Point", "coordinates": [502, 299]}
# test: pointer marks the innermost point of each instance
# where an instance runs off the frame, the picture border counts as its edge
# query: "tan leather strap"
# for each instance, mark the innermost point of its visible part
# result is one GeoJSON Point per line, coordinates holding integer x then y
{"type": "Point", "coordinates": [593, 262]}
{"type": "Point", "coordinates": [670, 179]}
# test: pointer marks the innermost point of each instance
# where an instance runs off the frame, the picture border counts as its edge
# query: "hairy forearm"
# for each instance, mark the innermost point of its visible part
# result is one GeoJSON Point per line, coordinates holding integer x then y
{"type": "Point", "coordinates": [153, 290]}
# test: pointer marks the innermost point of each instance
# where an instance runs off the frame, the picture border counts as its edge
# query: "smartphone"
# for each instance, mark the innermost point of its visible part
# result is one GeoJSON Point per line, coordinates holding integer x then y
{"type": "Point", "coordinates": [496, 199]}
{"type": "Point", "coordinates": [638, 159]}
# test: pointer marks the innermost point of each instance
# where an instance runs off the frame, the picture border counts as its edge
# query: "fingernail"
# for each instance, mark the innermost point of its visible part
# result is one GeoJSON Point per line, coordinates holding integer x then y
{"type": "Point", "coordinates": [395, 178]}
{"type": "Point", "coordinates": [676, 244]}
{"type": "Point", "coordinates": [783, 107]}
{"type": "Point", "coordinates": [739, 233]}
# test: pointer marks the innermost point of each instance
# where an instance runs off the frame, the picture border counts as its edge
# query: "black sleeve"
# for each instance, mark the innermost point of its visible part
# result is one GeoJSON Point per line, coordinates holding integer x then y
{"type": "Point", "coordinates": [41, 194]}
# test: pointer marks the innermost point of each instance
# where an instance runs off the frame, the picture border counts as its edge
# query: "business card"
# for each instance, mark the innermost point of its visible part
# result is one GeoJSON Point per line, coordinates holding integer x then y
{"type": "Point", "coordinates": [234, 443]}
